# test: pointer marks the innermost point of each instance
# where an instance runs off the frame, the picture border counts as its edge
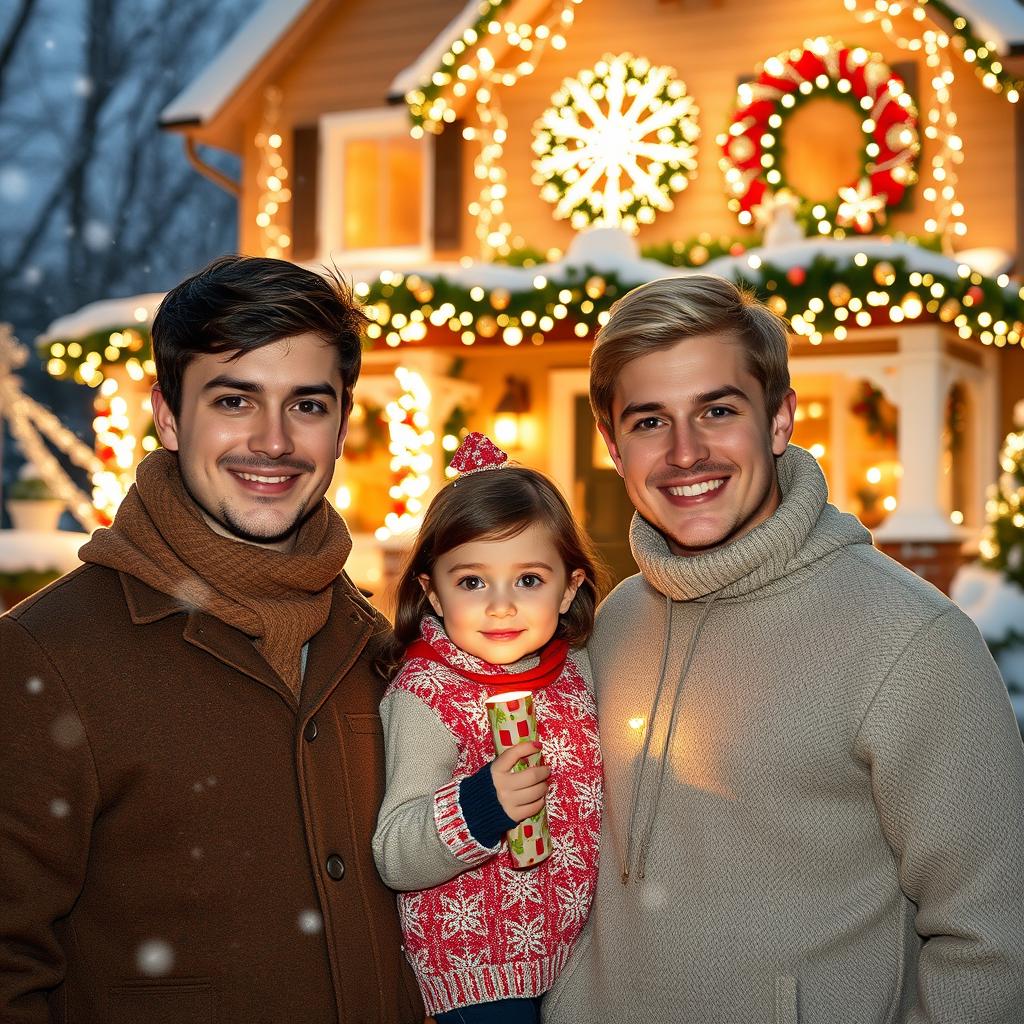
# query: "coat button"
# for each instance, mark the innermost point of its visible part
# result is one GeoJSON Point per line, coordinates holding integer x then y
{"type": "Point", "coordinates": [309, 733]}
{"type": "Point", "coordinates": [335, 867]}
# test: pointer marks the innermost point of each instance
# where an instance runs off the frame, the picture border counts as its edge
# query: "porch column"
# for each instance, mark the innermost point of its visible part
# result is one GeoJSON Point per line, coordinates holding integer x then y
{"type": "Point", "coordinates": [922, 382]}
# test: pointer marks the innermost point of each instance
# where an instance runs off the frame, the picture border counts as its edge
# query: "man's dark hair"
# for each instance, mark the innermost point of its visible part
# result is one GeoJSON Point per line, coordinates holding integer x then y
{"type": "Point", "coordinates": [240, 303]}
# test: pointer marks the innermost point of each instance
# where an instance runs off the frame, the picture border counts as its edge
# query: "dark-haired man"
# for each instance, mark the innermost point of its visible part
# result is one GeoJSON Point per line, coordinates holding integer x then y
{"type": "Point", "coordinates": [814, 782]}
{"type": "Point", "coordinates": [190, 751]}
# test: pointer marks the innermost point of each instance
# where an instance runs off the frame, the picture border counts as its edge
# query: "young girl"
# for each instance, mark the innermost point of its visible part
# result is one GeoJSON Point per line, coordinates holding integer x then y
{"type": "Point", "coordinates": [499, 586]}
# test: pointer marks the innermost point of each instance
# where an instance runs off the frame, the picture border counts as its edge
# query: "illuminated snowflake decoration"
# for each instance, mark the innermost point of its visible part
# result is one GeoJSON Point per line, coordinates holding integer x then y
{"type": "Point", "coordinates": [617, 144]}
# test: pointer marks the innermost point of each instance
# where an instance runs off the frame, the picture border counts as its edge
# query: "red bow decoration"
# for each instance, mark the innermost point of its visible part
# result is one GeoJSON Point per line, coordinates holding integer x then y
{"type": "Point", "coordinates": [477, 453]}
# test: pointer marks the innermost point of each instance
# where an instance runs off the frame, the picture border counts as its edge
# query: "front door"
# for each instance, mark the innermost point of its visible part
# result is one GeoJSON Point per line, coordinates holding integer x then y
{"type": "Point", "coordinates": [601, 495]}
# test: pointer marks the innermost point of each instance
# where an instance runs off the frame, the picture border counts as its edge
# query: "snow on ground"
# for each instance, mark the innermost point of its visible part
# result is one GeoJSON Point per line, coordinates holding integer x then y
{"type": "Point", "coordinates": [996, 606]}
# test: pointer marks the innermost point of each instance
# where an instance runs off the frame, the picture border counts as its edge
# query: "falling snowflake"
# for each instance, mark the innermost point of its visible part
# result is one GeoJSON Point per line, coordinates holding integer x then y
{"type": "Point", "coordinates": [34, 685]}
{"type": "Point", "coordinates": [519, 888]}
{"type": "Point", "coordinates": [409, 905]}
{"type": "Point", "coordinates": [525, 937]}
{"type": "Point", "coordinates": [96, 235]}
{"type": "Point", "coordinates": [83, 86]}
{"type": "Point", "coordinates": [462, 913]}
{"type": "Point", "coordinates": [155, 958]}
{"type": "Point", "coordinates": [573, 906]}
{"type": "Point", "coordinates": [60, 808]}
{"type": "Point", "coordinates": [14, 184]}
{"type": "Point", "coordinates": [67, 731]}
{"type": "Point", "coordinates": [588, 798]}
{"type": "Point", "coordinates": [619, 140]}
{"type": "Point", "coordinates": [32, 275]}
{"type": "Point", "coordinates": [310, 922]}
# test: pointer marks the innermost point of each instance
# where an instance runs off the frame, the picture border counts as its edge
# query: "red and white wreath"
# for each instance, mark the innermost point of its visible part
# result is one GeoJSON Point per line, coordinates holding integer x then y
{"type": "Point", "coordinates": [751, 149]}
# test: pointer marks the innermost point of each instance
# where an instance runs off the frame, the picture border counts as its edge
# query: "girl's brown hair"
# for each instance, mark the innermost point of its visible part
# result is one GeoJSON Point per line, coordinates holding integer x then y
{"type": "Point", "coordinates": [495, 505]}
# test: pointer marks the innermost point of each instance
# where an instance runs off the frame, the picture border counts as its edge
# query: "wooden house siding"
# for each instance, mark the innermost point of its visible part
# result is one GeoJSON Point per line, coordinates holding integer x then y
{"type": "Point", "coordinates": [347, 63]}
{"type": "Point", "coordinates": [713, 44]}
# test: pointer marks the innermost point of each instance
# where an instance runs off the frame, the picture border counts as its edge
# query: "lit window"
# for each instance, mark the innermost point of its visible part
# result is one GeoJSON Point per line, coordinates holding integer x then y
{"type": "Point", "coordinates": [382, 203]}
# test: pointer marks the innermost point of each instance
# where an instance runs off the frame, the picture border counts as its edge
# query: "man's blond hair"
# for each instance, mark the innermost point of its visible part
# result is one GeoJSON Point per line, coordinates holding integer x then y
{"type": "Point", "coordinates": [661, 314]}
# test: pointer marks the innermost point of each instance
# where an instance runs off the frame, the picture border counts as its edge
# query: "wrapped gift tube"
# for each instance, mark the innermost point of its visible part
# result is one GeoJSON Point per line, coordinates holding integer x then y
{"type": "Point", "coordinates": [513, 721]}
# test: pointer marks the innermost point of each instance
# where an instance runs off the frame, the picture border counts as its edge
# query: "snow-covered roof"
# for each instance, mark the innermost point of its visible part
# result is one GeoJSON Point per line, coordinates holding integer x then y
{"type": "Point", "coordinates": [107, 313]}
{"type": "Point", "coordinates": [998, 21]}
{"type": "Point", "coordinates": [40, 550]}
{"type": "Point", "coordinates": [603, 250]}
{"type": "Point", "coordinates": [207, 93]}
{"type": "Point", "coordinates": [1001, 21]}
{"type": "Point", "coordinates": [611, 251]}
{"type": "Point", "coordinates": [419, 72]}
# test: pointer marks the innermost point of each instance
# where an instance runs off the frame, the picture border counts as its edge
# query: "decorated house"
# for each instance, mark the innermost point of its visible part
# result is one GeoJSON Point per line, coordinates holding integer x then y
{"type": "Point", "coordinates": [493, 175]}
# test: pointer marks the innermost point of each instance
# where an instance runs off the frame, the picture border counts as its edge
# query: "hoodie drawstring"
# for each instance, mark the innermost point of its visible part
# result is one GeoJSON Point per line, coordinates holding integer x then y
{"type": "Point", "coordinates": [645, 842]}
{"type": "Point", "coordinates": [638, 783]}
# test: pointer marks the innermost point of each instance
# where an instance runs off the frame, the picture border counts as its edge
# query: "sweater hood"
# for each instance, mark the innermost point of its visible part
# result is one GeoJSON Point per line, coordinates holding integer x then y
{"type": "Point", "coordinates": [803, 529]}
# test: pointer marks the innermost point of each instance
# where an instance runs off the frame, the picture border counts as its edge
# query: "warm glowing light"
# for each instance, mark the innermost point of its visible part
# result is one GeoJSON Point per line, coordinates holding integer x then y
{"type": "Point", "coordinates": [617, 141]}
{"type": "Point", "coordinates": [506, 430]}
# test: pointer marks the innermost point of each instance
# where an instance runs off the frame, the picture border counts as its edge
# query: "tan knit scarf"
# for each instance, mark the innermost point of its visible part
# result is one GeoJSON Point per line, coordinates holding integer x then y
{"type": "Point", "coordinates": [279, 599]}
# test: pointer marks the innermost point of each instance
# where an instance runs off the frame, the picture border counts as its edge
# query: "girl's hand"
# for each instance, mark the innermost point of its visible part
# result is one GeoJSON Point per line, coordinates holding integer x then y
{"type": "Point", "coordinates": [520, 793]}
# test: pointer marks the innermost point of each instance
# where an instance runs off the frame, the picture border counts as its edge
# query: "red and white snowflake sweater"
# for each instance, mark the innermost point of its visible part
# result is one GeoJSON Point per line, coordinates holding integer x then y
{"type": "Point", "coordinates": [492, 931]}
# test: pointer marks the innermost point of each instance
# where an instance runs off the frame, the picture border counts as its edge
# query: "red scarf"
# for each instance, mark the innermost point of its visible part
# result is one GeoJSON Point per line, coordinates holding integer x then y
{"type": "Point", "coordinates": [547, 670]}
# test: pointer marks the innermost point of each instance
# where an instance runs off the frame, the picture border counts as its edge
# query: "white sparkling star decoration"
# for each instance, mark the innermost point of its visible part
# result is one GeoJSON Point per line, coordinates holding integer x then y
{"type": "Point", "coordinates": [617, 144]}
{"type": "Point", "coordinates": [860, 207]}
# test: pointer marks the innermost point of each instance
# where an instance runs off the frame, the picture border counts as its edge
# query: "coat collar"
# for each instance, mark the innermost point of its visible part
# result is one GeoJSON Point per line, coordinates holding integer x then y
{"type": "Point", "coordinates": [332, 652]}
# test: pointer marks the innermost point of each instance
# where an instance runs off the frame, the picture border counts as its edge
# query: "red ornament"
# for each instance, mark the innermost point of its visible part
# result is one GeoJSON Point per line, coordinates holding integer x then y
{"type": "Point", "coordinates": [796, 276]}
{"type": "Point", "coordinates": [737, 249]}
{"type": "Point", "coordinates": [476, 453]}
{"type": "Point", "coordinates": [974, 297]}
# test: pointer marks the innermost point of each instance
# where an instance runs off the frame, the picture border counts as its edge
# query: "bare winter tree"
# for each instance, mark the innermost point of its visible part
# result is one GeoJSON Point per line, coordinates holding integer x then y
{"type": "Point", "coordinates": [97, 202]}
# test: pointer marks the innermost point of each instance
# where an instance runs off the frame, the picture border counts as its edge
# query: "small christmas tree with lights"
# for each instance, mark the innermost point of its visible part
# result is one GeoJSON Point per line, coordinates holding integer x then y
{"type": "Point", "coordinates": [999, 611]}
{"type": "Point", "coordinates": [1002, 548]}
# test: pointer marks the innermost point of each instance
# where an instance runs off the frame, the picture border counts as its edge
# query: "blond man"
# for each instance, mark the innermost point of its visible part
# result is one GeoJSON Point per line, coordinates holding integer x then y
{"type": "Point", "coordinates": [814, 781]}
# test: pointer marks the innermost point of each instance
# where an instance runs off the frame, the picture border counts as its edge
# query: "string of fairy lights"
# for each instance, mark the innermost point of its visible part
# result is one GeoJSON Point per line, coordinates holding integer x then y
{"type": "Point", "coordinates": [470, 66]}
{"type": "Point", "coordinates": [30, 423]}
{"type": "Point", "coordinates": [982, 54]}
{"type": "Point", "coordinates": [272, 180]}
{"type": "Point", "coordinates": [411, 449]}
{"type": "Point", "coordinates": [941, 126]}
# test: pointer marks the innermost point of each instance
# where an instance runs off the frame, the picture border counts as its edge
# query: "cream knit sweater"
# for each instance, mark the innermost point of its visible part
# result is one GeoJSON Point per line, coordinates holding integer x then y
{"type": "Point", "coordinates": [828, 825]}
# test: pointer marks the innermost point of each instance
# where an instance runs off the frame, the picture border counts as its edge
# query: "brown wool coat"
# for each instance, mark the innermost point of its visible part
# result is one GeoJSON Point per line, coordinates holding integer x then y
{"type": "Point", "coordinates": [179, 841]}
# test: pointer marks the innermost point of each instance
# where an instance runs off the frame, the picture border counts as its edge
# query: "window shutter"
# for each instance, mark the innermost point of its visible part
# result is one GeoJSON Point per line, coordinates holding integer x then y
{"type": "Point", "coordinates": [305, 164]}
{"type": "Point", "coordinates": [448, 187]}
